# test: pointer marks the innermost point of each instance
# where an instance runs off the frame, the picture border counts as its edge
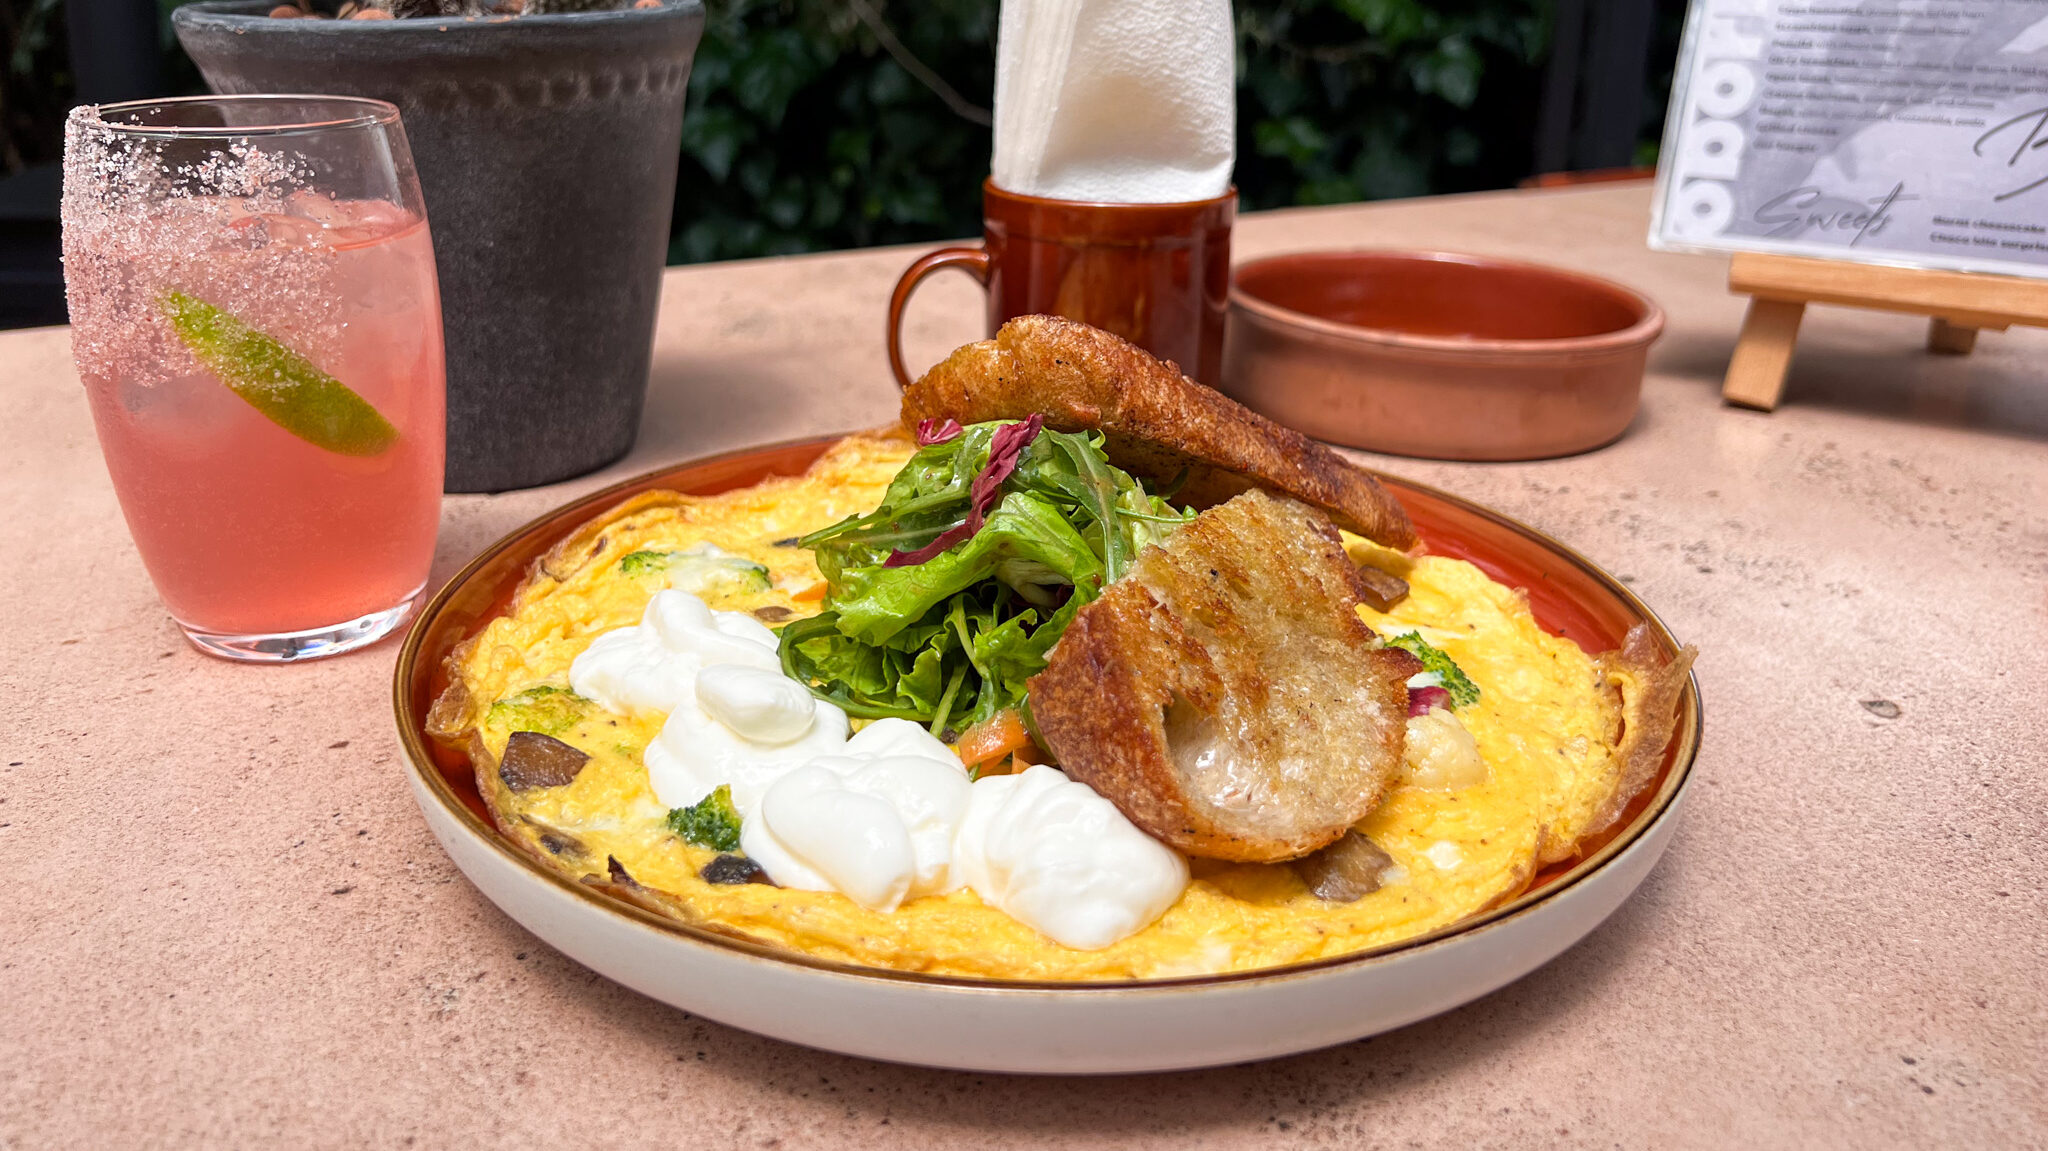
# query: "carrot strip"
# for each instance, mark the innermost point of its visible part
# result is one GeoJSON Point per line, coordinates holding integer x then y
{"type": "Point", "coordinates": [992, 738]}
{"type": "Point", "coordinates": [811, 594]}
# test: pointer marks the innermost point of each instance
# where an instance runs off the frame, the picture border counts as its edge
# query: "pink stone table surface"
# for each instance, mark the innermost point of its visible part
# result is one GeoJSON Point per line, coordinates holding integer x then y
{"type": "Point", "coordinates": [225, 923]}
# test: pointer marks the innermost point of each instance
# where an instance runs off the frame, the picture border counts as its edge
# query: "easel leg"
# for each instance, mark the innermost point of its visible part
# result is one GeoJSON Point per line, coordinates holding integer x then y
{"type": "Point", "coordinates": [1950, 339]}
{"type": "Point", "coordinates": [1756, 372]}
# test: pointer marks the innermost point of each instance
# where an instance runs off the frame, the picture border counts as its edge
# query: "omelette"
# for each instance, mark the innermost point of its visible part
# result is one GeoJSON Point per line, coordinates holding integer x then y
{"type": "Point", "coordinates": [1559, 735]}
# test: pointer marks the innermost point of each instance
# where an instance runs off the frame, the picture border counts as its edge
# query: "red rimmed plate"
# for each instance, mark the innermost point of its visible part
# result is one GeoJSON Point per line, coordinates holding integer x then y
{"type": "Point", "coordinates": [992, 1025]}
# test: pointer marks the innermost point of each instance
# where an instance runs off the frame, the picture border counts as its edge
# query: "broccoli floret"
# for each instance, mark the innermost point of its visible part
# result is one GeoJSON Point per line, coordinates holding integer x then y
{"type": "Point", "coordinates": [642, 562]}
{"type": "Point", "coordinates": [1464, 693]}
{"type": "Point", "coordinates": [705, 569]}
{"type": "Point", "coordinates": [711, 822]}
{"type": "Point", "coordinates": [546, 709]}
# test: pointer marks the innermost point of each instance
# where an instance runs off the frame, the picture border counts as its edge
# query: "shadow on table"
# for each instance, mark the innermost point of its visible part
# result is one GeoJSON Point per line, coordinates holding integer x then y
{"type": "Point", "coordinates": [1994, 389]}
{"type": "Point", "coordinates": [698, 405]}
{"type": "Point", "coordinates": [693, 404]}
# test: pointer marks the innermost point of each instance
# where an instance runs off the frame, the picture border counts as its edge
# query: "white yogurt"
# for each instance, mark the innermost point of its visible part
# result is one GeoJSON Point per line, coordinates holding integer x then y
{"type": "Point", "coordinates": [1054, 854]}
{"type": "Point", "coordinates": [875, 822]}
{"type": "Point", "coordinates": [653, 666]}
{"type": "Point", "coordinates": [884, 816]}
{"type": "Point", "coordinates": [733, 717]}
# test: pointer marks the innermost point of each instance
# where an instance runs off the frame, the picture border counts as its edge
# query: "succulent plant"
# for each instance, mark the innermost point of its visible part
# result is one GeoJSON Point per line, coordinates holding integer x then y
{"type": "Point", "coordinates": [403, 9]}
{"type": "Point", "coordinates": [550, 7]}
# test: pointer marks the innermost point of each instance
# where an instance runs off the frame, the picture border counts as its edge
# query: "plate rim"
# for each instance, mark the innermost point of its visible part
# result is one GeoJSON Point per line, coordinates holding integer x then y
{"type": "Point", "coordinates": [420, 763]}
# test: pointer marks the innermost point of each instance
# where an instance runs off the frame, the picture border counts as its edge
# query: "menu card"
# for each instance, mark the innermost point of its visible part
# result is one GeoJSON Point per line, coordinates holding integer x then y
{"type": "Point", "coordinates": [1906, 132]}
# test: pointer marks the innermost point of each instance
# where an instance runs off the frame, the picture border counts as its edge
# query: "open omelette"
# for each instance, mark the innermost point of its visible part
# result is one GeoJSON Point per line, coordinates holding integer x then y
{"type": "Point", "coordinates": [839, 714]}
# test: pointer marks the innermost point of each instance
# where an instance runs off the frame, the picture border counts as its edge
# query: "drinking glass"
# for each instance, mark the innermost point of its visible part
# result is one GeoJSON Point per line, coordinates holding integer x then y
{"type": "Point", "coordinates": [255, 319]}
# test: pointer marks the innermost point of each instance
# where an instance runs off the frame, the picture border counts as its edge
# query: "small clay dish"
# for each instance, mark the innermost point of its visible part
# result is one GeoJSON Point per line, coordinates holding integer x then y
{"type": "Point", "coordinates": [1438, 354]}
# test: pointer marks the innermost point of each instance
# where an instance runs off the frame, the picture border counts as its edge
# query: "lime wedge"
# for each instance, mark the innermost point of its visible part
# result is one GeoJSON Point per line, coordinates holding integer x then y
{"type": "Point", "coordinates": [282, 384]}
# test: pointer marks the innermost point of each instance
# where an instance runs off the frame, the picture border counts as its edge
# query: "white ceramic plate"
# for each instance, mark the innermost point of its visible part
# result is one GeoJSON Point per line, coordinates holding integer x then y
{"type": "Point", "coordinates": [1050, 1028]}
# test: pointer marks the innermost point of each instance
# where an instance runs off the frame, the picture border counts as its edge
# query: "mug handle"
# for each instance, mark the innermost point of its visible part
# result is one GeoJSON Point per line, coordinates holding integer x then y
{"type": "Point", "coordinates": [973, 261]}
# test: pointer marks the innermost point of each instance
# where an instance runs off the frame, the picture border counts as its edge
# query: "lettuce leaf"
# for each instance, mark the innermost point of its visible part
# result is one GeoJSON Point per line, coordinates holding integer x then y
{"type": "Point", "coordinates": [951, 634]}
{"type": "Point", "coordinates": [874, 602]}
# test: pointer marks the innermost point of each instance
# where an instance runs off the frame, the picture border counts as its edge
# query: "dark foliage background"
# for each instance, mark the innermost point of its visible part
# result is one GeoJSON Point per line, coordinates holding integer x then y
{"type": "Point", "coordinates": [807, 128]}
{"type": "Point", "coordinates": [820, 124]}
{"type": "Point", "coordinates": [35, 91]}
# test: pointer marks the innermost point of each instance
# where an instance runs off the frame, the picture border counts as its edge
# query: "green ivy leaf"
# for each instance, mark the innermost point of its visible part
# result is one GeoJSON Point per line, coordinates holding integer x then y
{"type": "Point", "coordinates": [1294, 137]}
{"type": "Point", "coordinates": [1452, 71]}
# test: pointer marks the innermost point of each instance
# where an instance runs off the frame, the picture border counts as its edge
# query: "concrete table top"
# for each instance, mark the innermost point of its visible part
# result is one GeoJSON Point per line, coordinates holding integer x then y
{"type": "Point", "coordinates": [226, 924]}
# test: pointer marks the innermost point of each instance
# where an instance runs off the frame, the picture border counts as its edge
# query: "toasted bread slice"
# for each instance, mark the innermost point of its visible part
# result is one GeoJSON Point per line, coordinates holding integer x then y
{"type": "Point", "coordinates": [1225, 695]}
{"type": "Point", "coordinates": [1156, 422]}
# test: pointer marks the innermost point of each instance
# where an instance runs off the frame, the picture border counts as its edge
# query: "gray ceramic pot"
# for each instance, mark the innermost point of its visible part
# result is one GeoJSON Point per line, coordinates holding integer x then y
{"type": "Point", "coordinates": [547, 151]}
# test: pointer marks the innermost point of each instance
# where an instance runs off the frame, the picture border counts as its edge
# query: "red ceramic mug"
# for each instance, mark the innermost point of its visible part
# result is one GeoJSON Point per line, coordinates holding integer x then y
{"type": "Point", "coordinates": [1156, 274]}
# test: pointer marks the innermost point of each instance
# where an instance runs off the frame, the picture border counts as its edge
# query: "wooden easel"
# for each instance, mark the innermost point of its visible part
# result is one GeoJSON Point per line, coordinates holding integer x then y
{"type": "Point", "coordinates": [1780, 287]}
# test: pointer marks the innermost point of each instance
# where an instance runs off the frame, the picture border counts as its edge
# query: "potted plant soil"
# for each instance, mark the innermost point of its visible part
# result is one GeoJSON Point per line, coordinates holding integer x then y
{"type": "Point", "coordinates": [546, 136]}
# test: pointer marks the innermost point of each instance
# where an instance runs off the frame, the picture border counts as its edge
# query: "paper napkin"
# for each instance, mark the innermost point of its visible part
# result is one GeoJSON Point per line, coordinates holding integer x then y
{"type": "Point", "coordinates": [1123, 101]}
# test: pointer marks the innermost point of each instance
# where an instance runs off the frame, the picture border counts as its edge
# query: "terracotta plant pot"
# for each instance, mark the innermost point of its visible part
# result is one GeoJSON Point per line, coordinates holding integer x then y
{"type": "Point", "coordinates": [1436, 354]}
{"type": "Point", "coordinates": [547, 151]}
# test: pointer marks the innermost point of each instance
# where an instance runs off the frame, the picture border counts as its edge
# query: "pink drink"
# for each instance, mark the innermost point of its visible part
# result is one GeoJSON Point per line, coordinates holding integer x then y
{"type": "Point", "coordinates": [270, 530]}
{"type": "Point", "coordinates": [247, 528]}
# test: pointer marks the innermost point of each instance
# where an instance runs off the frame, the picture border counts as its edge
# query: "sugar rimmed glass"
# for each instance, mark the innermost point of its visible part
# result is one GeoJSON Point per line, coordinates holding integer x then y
{"type": "Point", "coordinates": [257, 324]}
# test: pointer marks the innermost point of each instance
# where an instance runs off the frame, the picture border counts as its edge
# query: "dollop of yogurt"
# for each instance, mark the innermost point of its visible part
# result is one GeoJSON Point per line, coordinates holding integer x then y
{"type": "Point", "coordinates": [1054, 854]}
{"type": "Point", "coordinates": [733, 717]}
{"type": "Point", "coordinates": [653, 666]}
{"type": "Point", "coordinates": [875, 822]}
{"type": "Point", "coordinates": [884, 816]}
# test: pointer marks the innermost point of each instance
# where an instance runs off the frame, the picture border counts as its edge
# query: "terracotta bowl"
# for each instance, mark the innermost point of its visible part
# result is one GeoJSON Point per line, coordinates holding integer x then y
{"type": "Point", "coordinates": [1066, 1028]}
{"type": "Point", "coordinates": [1437, 354]}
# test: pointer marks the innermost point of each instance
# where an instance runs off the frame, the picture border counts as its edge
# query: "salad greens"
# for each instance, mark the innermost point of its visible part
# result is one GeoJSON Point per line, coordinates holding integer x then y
{"type": "Point", "coordinates": [948, 597]}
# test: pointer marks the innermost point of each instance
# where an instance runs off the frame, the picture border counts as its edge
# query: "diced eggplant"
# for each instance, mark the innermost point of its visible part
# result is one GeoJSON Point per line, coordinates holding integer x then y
{"type": "Point", "coordinates": [619, 874]}
{"type": "Point", "coordinates": [1382, 590]}
{"type": "Point", "coordinates": [732, 869]}
{"type": "Point", "coordinates": [533, 760]}
{"type": "Point", "coordinates": [1346, 871]}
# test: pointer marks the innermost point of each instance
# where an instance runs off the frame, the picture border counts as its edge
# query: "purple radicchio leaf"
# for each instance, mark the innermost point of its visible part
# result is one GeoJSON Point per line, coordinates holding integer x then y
{"type": "Point", "coordinates": [1004, 450]}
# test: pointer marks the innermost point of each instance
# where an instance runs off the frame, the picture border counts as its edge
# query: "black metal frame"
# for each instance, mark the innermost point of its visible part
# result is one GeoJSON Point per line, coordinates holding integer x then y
{"type": "Point", "coordinates": [1593, 90]}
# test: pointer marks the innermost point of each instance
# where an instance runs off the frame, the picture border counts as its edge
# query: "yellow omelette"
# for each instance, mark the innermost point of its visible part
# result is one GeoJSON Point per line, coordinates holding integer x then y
{"type": "Point", "coordinates": [1547, 725]}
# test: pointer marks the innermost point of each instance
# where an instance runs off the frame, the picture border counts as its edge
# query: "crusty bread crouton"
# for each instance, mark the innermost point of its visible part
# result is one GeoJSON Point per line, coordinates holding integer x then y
{"type": "Point", "coordinates": [1155, 421]}
{"type": "Point", "coordinates": [1225, 695]}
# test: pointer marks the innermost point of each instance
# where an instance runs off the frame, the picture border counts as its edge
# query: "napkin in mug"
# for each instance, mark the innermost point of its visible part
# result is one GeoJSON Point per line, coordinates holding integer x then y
{"type": "Point", "coordinates": [1120, 101]}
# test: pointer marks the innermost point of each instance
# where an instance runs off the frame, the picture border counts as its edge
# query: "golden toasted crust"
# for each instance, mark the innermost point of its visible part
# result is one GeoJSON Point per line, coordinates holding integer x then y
{"type": "Point", "coordinates": [1647, 716]}
{"type": "Point", "coordinates": [1155, 421]}
{"type": "Point", "coordinates": [1226, 696]}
